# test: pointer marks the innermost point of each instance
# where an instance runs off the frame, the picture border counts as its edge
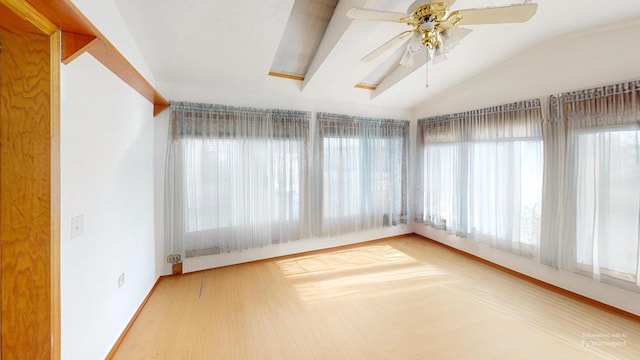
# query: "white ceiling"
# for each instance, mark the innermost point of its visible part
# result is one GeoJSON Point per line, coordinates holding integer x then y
{"type": "Point", "coordinates": [222, 50]}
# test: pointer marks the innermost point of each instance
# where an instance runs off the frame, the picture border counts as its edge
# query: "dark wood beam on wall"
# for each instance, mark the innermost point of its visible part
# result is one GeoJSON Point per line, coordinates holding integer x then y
{"type": "Point", "coordinates": [73, 45]}
{"type": "Point", "coordinates": [80, 35]}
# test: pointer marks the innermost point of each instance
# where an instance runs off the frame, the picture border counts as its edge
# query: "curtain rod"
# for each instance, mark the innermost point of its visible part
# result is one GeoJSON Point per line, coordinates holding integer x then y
{"type": "Point", "coordinates": [516, 106]}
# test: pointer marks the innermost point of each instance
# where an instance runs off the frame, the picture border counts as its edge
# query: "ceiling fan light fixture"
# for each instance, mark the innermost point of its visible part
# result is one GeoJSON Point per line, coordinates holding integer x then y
{"type": "Point", "coordinates": [407, 58]}
{"type": "Point", "coordinates": [434, 27]}
{"type": "Point", "coordinates": [415, 43]}
{"type": "Point", "coordinates": [452, 36]}
{"type": "Point", "coordinates": [440, 55]}
{"type": "Point", "coordinates": [414, 46]}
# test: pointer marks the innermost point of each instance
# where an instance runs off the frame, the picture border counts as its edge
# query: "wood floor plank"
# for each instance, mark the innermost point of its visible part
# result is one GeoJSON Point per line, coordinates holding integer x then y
{"type": "Point", "coordinates": [391, 299]}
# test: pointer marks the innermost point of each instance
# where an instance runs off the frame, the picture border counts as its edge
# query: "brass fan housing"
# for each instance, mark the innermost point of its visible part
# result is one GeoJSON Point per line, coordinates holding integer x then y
{"type": "Point", "coordinates": [435, 13]}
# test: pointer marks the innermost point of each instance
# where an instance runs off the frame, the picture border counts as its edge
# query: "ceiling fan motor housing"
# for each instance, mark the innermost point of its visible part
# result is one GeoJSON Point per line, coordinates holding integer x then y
{"type": "Point", "coordinates": [431, 13]}
{"type": "Point", "coordinates": [434, 11]}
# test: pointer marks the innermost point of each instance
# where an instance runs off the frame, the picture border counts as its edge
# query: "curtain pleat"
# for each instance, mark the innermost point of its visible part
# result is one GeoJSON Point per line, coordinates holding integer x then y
{"type": "Point", "coordinates": [600, 209]}
{"type": "Point", "coordinates": [243, 178]}
{"type": "Point", "coordinates": [237, 178]}
{"type": "Point", "coordinates": [364, 166]}
{"type": "Point", "coordinates": [480, 175]}
{"type": "Point", "coordinates": [555, 143]}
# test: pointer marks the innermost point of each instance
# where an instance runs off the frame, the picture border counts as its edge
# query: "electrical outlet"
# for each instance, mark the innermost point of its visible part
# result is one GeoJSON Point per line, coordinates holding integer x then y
{"type": "Point", "coordinates": [174, 258]}
{"type": "Point", "coordinates": [77, 225]}
{"type": "Point", "coordinates": [121, 280]}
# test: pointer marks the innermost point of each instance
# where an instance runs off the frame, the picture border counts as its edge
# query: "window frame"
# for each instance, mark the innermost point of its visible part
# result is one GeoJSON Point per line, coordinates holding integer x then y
{"type": "Point", "coordinates": [628, 279]}
{"type": "Point", "coordinates": [334, 128]}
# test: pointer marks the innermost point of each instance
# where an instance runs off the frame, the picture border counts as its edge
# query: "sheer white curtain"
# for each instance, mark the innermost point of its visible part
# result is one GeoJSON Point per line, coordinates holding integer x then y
{"type": "Point", "coordinates": [236, 178]}
{"type": "Point", "coordinates": [480, 175]}
{"type": "Point", "coordinates": [363, 165]}
{"type": "Point", "coordinates": [601, 214]}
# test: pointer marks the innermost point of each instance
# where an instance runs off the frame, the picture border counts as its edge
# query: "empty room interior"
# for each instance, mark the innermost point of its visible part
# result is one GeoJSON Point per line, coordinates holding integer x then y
{"type": "Point", "coordinates": [320, 179]}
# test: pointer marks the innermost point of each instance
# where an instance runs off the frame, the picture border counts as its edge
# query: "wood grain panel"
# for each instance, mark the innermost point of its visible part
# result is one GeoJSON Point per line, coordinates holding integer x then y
{"type": "Point", "coordinates": [30, 15]}
{"type": "Point", "coordinates": [14, 24]}
{"type": "Point", "coordinates": [25, 196]}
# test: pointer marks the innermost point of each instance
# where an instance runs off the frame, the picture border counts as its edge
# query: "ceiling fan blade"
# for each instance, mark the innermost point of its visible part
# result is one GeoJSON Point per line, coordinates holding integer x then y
{"type": "Point", "coordinates": [386, 46]}
{"type": "Point", "coordinates": [368, 14]}
{"type": "Point", "coordinates": [497, 15]}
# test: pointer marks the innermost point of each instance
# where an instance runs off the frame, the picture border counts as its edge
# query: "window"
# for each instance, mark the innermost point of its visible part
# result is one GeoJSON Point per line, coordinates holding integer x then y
{"type": "Point", "coordinates": [600, 194]}
{"type": "Point", "coordinates": [219, 171]}
{"type": "Point", "coordinates": [505, 192]}
{"type": "Point", "coordinates": [480, 175]}
{"type": "Point", "coordinates": [237, 178]}
{"type": "Point", "coordinates": [607, 163]}
{"type": "Point", "coordinates": [364, 173]}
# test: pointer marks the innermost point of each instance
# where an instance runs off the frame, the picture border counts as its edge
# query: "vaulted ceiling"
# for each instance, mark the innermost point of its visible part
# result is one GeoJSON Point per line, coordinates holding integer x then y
{"type": "Point", "coordinates": [223, 51]}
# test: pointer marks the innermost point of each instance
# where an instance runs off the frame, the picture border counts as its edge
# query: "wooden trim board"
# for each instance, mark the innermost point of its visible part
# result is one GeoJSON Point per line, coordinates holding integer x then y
{"type": "Point", "coordinates": [73, 45]}
{"type": "Point", "coordinates": [70, 19]}
{"type": "Point", "coordinates": [56, 332]}
{"type": "Point", "coordinates": [540, 283]}
{"type": "Point", "coordinates": [365, 87]}
{"type": "Point", "coordinates": [28, 267]}
{"type": "Point", "coordinates": [31, 15]}
{"type": "Point", "coordinates": [286, 76]}
{"type": "Point", "coordinates": [115, 347]}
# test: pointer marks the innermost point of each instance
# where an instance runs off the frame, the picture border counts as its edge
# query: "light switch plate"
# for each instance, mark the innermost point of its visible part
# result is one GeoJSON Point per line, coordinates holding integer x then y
{"type": "Point", "coordinates": [121, 280]}
{"type": "Point", "coordinates": [77, 225]}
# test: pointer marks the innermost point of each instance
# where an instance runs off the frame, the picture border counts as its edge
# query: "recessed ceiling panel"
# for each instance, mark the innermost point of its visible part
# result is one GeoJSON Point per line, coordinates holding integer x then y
{"type": "Point", "coordinates": [302, 35]}
{"type": "Point", "coordinates": [388, 65]}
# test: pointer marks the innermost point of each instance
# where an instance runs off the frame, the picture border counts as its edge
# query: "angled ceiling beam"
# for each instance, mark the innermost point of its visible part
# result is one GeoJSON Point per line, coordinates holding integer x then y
{"type": "Point", "coordinates": [398, 74]}
{"type": "Point", "coordinates": [338, 24]}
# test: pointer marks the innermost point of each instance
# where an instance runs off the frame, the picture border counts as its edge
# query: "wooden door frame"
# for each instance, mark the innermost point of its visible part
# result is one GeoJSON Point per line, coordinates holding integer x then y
{"type": "Point", "coordinates": [21, 18]}
{"type": "Point", "coordinates": [70, 34]}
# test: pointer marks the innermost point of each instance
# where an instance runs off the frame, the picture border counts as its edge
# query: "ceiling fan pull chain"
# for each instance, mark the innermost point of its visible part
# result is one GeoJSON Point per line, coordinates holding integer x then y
{"type": "Point", "coordinates": [426, 69]}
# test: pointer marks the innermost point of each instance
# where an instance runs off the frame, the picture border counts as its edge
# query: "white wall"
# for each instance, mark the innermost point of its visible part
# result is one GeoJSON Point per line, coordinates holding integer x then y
{"type": "Point", "coordinates": [104, 15]}
{"type": "Point", "coordinates": [106, 176]}
{"type": "Point", "coordinates": [294, 247]}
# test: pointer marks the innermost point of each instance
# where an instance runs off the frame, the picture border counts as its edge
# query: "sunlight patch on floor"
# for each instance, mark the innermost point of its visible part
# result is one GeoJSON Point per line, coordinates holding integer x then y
{"type": "Point", "coordinates": [368, 271]}
{"type": "Point", "coordinates": [343, 260]}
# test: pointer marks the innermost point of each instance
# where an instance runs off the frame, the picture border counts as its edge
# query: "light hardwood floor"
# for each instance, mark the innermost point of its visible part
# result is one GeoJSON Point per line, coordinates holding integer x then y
{"type": "Point", "coordinates": [403, 298]}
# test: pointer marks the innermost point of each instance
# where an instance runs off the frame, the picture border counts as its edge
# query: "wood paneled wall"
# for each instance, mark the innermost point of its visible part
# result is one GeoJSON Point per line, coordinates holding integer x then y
{"type": "Point", "coordinates": [25, 197]}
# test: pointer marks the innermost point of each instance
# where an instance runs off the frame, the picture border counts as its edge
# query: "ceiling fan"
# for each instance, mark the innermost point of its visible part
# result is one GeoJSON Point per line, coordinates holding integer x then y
{"type": "Point", "coordinates": [434, 28]}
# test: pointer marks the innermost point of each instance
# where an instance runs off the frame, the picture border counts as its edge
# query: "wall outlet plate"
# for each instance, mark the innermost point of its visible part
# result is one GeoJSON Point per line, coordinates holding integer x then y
{"type": "Point", "coordinates": [121, 280]}
{"type": "Point", "coordinates": [174, 258]}
{"type": "Point", "coordinates": [77, 225]}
